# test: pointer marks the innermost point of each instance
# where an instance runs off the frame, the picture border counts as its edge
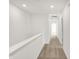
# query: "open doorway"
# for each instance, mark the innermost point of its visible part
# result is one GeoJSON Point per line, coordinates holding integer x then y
{"type": "Point", "coordinates": [54, 29]}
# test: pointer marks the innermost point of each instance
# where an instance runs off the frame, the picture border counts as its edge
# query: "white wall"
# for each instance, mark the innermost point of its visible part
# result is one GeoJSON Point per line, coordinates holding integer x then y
{"type": "Point", "coordinates": [66, 31]}
{"type": "Point", "coordinates": [24, 25]}
{"type": "Point", "coordinates": [20, 25]}
{"type": "Point", "coordinates": [40, 24]}
{"type": "Point", "coordinates": [30, 50]}
{"type": "Point", "coordinates": [60, 29]}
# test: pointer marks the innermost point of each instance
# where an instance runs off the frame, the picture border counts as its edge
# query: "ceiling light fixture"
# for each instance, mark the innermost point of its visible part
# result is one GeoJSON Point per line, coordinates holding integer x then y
{"type": "Point", "coordinates": [24, 5]}
{"type": "Point", "coordinates": [51, 6]}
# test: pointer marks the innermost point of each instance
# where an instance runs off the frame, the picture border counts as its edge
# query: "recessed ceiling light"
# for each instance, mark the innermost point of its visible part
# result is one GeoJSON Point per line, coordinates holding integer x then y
{"type": "Point", "coordinates": [51, 6]}
{"type": "Point", "coordinates": [24, 5]}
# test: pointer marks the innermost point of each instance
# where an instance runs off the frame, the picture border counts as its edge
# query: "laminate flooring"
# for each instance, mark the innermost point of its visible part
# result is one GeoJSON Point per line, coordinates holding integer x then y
{"type": "Point", "coordinates": [53, 50]}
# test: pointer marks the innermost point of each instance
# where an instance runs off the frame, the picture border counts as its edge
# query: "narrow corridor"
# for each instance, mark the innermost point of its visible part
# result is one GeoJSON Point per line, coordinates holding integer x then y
{"type": "Point", "coordinates": [31, 25]}
{"type": "Point", "coordinates": [53, 50]}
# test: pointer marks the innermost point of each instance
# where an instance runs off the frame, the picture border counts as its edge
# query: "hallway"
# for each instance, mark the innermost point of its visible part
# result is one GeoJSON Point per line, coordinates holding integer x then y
{"type": "Point", "coordinates": [53, 50]}
{"type": "Point", "coordinates": [31, 25]}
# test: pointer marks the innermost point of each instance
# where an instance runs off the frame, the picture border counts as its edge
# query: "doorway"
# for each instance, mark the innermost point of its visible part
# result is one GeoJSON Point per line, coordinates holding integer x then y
{"type": "Point", "coordinates": [54, 29]}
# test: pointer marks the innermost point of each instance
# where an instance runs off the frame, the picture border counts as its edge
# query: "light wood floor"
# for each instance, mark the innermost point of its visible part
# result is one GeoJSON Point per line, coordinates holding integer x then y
{"type": "Point", "coordinates": [53, 50]}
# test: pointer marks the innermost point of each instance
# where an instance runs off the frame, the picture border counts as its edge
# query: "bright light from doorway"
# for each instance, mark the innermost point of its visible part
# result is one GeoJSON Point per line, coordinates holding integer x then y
{"type": "Point", "coordinates": [54, 29]}
{"type": "Point", "coordinates": [51, 6]}
{"type": "Point", "coordinates": [24, 5]}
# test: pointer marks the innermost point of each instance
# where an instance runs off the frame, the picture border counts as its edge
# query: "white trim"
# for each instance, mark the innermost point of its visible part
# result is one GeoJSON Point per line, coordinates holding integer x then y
{"type": "Point", "coordinates": [22, 43]}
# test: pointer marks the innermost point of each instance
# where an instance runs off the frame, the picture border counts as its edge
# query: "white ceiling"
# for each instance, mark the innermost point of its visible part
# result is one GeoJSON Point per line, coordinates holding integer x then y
{"type": "Point", "coordinates": [41, 6]}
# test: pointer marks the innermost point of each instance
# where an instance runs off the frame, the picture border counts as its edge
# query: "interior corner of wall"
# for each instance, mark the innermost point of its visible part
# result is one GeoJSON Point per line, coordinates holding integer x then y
{"type": "Point", "coordinates": [60, 39]}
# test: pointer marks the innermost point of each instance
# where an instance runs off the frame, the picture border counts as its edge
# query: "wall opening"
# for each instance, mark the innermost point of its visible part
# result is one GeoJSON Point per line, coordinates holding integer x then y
{"type": "Point", "coordinates": [53, 29]}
